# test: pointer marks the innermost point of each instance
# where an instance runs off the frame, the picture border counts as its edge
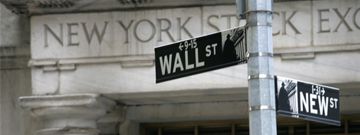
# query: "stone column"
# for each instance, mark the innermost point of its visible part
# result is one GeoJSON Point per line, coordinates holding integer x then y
{"type": "Point", "coordinates": [74, 114]}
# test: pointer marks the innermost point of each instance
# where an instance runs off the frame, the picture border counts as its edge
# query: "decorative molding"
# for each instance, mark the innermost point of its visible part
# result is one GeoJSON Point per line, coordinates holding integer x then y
{"type": "Point", "coordinates": [135, 2]}
{"type": "Point", "coordinates": [69, 130]}
{"type": "Point", "coordinates": [318, 49]}
{"type": "Point", "coordinates": [70, 64]}
{"type": "Point", "coordinates": [59, 67]}
{"type": "Point", "coordinates": [16, 6]}
{"type": "Point", "coordinates": [70, 100]}
{"type": "Point", "coordinates": [67, 6]}
{"type": "Point", "coordinates": [14, 57]}
{"type": "Point", "coordinates": [297, 56]}
{"type": "Point", "coordinates": [309, 52]}
{"type": "Point", "coordinates": [68, 114]}
{"type": "Point", "coordinates": [147, 60]}
{"type": "Point", "coordinates": [54, 3]}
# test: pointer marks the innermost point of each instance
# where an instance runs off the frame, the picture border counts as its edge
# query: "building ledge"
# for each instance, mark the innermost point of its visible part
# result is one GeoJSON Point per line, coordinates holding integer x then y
{"type": "Point", "coordinates": [72, 6]}
{"type": "Point", "coordinates": [94, 100]}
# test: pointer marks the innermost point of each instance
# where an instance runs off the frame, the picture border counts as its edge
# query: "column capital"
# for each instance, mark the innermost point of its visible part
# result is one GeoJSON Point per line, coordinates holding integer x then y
{"type": "Point", "coordinates": [68, 114]}
{"type": "Point", "coordinates": [68, 100]}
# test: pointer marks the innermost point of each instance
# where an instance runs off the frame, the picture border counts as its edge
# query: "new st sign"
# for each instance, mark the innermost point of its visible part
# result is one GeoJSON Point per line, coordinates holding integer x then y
{"type": "Point", "coordinates": [200, 54]}
{"type": "Point", "coordinates": [308, 101]}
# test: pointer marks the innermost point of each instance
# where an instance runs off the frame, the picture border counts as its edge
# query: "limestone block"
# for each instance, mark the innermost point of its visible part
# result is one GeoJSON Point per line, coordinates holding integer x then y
{"type": "Point", "coordinates": [68, 114]}
{"type": "Point", "coordinates": [292, 24]}
{"type": "Point", "coordinates": [336, 22]}
{"type": "Point", "coordinates": [44, 82]}
{"type": "Point", "coordinates": [115, 33]}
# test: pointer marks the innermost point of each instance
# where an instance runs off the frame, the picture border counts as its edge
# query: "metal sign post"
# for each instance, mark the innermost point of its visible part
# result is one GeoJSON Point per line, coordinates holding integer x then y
{"type": "Point", "coordinates": [262, 112]}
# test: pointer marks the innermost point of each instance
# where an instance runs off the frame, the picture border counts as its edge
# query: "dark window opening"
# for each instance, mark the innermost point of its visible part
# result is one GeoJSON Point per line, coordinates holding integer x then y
{"type": "Point", "coordinates": [241, 127]}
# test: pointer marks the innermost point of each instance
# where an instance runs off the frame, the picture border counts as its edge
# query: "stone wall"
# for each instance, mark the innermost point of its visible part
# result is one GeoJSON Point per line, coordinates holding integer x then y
{"type": "Point", "coordinates": [15, 78]}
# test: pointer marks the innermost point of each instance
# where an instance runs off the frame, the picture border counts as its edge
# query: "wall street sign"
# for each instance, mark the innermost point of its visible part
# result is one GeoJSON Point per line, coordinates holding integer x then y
{"type": "Point", "coordinates": [200, 54]}
{"type": "Point", "coordinates": [308, 101]}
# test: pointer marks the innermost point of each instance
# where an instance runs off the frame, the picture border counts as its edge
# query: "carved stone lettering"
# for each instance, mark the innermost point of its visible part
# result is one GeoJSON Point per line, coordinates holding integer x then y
{"type": "Point", "coordinates": [59, 37]}
{"type": "Point", "coordinates": [322, 19]}
{"type": "Point", "coordinates": [355, 18]}
{"type": "Point", "coordinates": [126, 28]}
{"type": "Point", "coordinates": [287, 21]}
{"type": "Point", "coordinates": [138, 30]}
{"type": "Point", "coordinates": [211, 23]}
{"type": "Point", "coordinates": [165, 28]}
{"type": "Point", "coordinates": [117, 33]}
{"type": "Point", "coordinates": [228, 19]}
{"type": "Point", "coordinates": [182, 27]}
{"type": "Point", "coordinates": [72, 34]}
{"type": "Point", "coordinates": [342, 19]}
{"type": "Point", "coordinates": [95, 31]}
{"type": "Point", "coordinates": [276, 31]}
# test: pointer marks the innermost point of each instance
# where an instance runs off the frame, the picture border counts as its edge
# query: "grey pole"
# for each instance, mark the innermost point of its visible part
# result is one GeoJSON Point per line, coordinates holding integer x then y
{"type": "Point", "coordinates": [262, 113]}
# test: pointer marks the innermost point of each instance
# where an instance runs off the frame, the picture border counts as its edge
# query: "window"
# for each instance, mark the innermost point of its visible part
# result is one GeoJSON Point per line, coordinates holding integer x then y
{"type": "Point", "coordinates": [240, 127]}
{"type": "Point", "coordinates": [354, 126]}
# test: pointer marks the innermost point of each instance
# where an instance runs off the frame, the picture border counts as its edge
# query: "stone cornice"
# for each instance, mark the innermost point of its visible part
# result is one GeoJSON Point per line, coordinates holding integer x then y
{"type": "Point", "coordinates": [145, 60]}
{"type": "Point", "coordinates": [67, 6]}
{"type": "Point", "coordinates": [72, 100]}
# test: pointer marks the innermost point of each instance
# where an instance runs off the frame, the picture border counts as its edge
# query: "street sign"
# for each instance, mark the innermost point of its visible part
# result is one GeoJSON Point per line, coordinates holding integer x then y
{"type": "Point", "coordinates": [200, 54]}
{"type": "Point", "coordinates": [307, 101]}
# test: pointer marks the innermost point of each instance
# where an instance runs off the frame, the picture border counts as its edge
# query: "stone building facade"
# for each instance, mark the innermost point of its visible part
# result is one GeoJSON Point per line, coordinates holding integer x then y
{"type": "Point", "coordinates": [87, 66]}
